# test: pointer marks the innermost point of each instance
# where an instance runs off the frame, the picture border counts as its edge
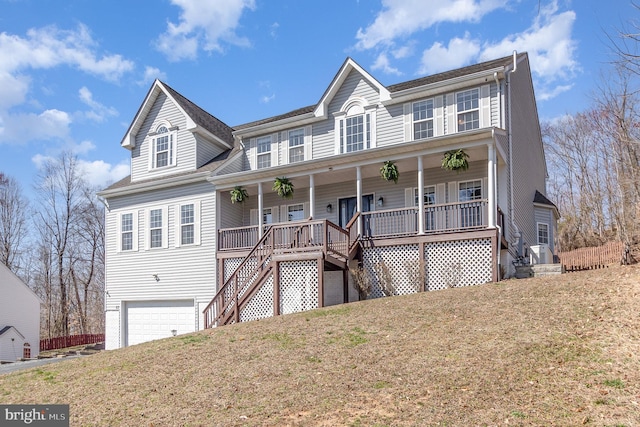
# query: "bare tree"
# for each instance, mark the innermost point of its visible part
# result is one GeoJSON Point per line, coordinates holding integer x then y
{"type": "Point", "coordinates": [13, 230]}
{"type": "Point", "coordinates": [71, 247]}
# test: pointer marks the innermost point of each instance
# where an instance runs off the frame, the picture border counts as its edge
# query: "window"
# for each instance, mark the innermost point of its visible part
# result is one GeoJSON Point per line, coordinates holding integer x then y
{"type": "Point", "coordinates": [163, 147]}
{"type": "Point", "coordinates": [355, 127]}
{"type": "Point", "coordinates": [429, 200]}
{"type": "Point", "coordinates": [423, 119]}
{"type": "Point", "coordinates": [543, 234]}
{"type": "Point", "coordinates": [126, 232]}
{"type": "Point", "coordinates": [468, 110]}
{"type": "Point", "coordinates": [155, 228]}
{"type": "Point", "coordinates": [264, 152]}
{"type": "Point", "coordinates": [296, 212]}
{"type": "Point", "coordinates": [187, 225]}
{"type": "Point", "coordinates": [296, 145]}
{"type": "Point", "coordinates": [470, 212]}
{"type": "Point", "coordinates": [267, 216]}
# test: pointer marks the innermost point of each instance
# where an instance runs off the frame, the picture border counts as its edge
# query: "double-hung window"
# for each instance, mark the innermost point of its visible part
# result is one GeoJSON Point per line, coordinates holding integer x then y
{"type": "Point", "coordinates": [155, 228]}
{"type": "Point", "coordinates": [543, 233]}
{"type": "Point", "coordinates": [163, 150]}
{"type": "Point", "coordinates": [470, 210]}
{"type": "Point", "coordinates": [126, 232]}
{"type": "Point", "coordinates": [428, 200]}
{"type": "Point", "coordinates": [295, 212]}
{"type": "Point", "coordinates": [264, 152]}
{"type": "Point", "coordinates": [423, 119]}
{"type": "Point", "coordinates": [468, 110]}
{"type": "Point", "coordinates": [267, 216]}
{"type": "Point", "coordinates": [187, 224]}
{"type": "Point", "coordinates": [355, 127]}
{"type": "Point", "coordinates": [296, 145]}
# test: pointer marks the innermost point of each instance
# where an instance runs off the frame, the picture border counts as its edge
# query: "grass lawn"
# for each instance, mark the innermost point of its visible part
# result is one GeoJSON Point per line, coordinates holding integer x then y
{"type": "Point", "coordinates": [559, 351]}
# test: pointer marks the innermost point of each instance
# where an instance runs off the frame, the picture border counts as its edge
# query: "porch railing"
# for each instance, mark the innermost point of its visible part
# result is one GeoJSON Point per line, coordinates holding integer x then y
{"type": "Point", "coordinates": [447, 217]}
{"type": "Point", "coordinates": [284, 238]}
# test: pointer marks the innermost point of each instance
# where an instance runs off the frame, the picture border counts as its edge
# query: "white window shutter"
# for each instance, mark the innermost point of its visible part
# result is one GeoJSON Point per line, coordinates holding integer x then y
{"type": "Point", "coordinates": [441, 193]}
{"type": "Point", "coordinates": [119, 228]}
{"type": "Point", "coordinates": [165, 227]}
{"type": "Point", "coordinates": [275, 214]}
{"type": "Point", "coordinates": [197, 207]}
{"type": "Point", "coordinates": [336, 134]}
{"type": "Point", "coordinates": [408, 120]}
{"type": "Point", "coordinates": [178, 233]}
{"type": "Point", "coordinates": [485, 106]}
{"type": "Point", "coordinates": [135, 231]}
{"type": "Point", "coordinates": [152, 153]}
{"type": "Point", "coordinates": [453, 192]}
{"type": "Point", "coordinates": [308, 141]}
{"type": "Point", "coordinates": [284, 148]}
{"type": "Point", "coordinates": [253, 217]}
{"type": "Point", "coordinates": [409, 199]}
{"type": "Point", "coordinates": [253, 154]}
{"type": "Point", "coordinates": [307, 210]}
{"type": "Point", "coordinates": [275, 149]}
{"type": "Point", "coordinates": [147, 232]}
{"type": "Point", "coordinates": [284, 213]}
{"type": "Point", "coordinates": [172, 148]}
{"type": "Point", "coordinates": [438, 116]}
{"type": "Point", "coordinates": [451, 114]}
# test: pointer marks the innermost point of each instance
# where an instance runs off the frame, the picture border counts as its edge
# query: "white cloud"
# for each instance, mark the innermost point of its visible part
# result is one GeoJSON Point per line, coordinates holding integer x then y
{"type": "Point", "coordinates": [98, 112]}
{"type": "Point", "coordinates": [21, 128]}
{"type": "Point", "coordinates": [400, 18]}
{"type": "Point", "coordinates": [203, 24]}
{"type": "Point", "coordinates": [548, 42]}
{"type": "Point", "coordinates": [48, 47]}
{"type": "Point", "coordinates": [96, 173]}
{"type": "Point", "coordinates": [13, 89]}
{"type": "Point", "coordinates": [273, 29]}
{"type": "Point", "coordinates": [267, 99]}
{"type": "Point", "coordinates": [382, 63]}
{"type": "Point", "coordinates": [150, 74]}
{"type": "Point", "coordinates": [459, 52]}
{"type": "Point", "coordinates": [550, 93]}
{"type": "Point", "coordinates": [83, 147]}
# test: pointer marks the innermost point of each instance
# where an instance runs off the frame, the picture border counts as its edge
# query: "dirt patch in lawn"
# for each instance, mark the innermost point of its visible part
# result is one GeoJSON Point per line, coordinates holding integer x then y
{"type": "Point", "coordinates": [562, 351]}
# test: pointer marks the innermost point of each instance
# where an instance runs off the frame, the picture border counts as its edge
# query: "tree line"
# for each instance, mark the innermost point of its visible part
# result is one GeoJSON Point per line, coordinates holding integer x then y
{"type": "Point", "coordinates": [56, 245]}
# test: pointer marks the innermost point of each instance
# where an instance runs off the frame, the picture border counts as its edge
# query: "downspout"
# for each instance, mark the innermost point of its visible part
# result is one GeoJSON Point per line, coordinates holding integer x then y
{"type": "Point", "coordinates": [510, 139]}
{"type": "Point", "coordinates": [495, 189]}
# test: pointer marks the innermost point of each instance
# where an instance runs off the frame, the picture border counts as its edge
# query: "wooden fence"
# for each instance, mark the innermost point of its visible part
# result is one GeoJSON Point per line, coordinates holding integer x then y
{"type": "Point", "coordinates": [70, 341]}
{"type": "Point", "coordinates": [593, 258]}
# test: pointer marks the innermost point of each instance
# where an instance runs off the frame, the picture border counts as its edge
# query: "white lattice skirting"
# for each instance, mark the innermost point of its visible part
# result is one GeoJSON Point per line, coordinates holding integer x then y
{"type": "Point", "coordinates": [446, 265]}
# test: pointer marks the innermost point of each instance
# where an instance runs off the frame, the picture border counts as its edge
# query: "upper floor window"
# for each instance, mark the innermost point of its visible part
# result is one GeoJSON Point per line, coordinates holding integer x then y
{"type": "Point", "coordinates": [296, 145]}
{"type": "Point", "coordinates": [163, 150]}
{"type": "Point", "coordinates": [468, 110]}
{"type": "Point", "coordinates": [264, 152]}
{"type": "Point", "coordinates": [355, 127]}
{"type": "Point", "coordinates": [187, 224]}
{"type": "Point", "coordinates": [126, 232]}
{"type": "Point", "coordinates": [423, 119]}
{"type": "Point", "coordinates": [543, 233]}
{"type": "Point", "coordinates": [155, 228]}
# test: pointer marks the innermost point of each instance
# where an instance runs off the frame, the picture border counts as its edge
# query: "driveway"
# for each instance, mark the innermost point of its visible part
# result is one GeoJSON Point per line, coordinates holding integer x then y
{"type": "Point", "coordinates": [7, 368]}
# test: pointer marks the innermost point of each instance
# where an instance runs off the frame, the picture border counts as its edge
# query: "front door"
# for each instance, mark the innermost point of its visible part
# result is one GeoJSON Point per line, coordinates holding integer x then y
{"type": "Point", "coordinates": [349, 206]}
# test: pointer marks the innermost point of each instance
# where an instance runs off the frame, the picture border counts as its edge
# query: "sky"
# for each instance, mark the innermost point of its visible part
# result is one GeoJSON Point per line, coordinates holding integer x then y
{"type": "Point", "coordinates": [73, 73]}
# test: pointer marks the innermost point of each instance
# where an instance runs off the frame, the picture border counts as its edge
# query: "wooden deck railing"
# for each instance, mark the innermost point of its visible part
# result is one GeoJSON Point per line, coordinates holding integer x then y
{"type": "Point", "coordinates": [237, 238]}
{"type": "Point", "coordinates": [279, 239]}
{"type": "Point", "coordinates": [445, 217]}
{"type": "Point", "coordinates": [593, 257]}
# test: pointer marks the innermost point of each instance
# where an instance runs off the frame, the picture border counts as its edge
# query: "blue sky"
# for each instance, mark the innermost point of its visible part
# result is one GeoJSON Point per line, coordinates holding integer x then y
{"type": "Point", "coordinates": [74, 72]}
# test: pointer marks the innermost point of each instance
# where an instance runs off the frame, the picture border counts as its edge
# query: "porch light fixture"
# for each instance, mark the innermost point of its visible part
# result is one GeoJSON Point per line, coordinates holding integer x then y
{"type": "Point", "coordinates": [155, 276]}
{"type": "Point", "coordinates": [380, 201]}
{"type": "Point", "coordinates": [329, 208]}
{"type": "Point", "coordinates": [174, 332]}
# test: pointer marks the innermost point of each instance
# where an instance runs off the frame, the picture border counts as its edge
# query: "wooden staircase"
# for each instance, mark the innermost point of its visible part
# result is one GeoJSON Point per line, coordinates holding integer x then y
{"type": "Point", "coordinates": [311, 239]}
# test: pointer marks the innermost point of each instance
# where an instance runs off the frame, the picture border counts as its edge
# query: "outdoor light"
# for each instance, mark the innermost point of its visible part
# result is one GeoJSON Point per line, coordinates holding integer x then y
{"type": "Point", "coordinates": [329, 207]}
{"type": "Point", "coordinates": [155, 276]}
{"type": "Point", "coordinates": [380, 201]}
{"type": "Point", "coordinates": [174, 332]}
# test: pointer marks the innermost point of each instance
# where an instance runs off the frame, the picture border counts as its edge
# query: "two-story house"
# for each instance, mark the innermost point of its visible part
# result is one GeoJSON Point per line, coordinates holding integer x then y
{"type": "Point", "coordinates": [198, 236]}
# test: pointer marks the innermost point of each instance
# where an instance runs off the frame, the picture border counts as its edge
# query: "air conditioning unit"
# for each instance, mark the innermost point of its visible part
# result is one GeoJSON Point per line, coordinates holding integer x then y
{"type": "Point", "coordinates": [540, 254]}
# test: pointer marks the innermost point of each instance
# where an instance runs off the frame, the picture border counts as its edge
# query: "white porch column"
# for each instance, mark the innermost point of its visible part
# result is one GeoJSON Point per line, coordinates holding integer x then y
{"type": "Point", "coordinates": [260, 210]}
{"type": "Point", "coordinates": [312, 197]}
{"type": "Point", "coordinates": [359, 197]}
{"type": "Point", "coordinates": [420, 196]}
{"type": "Point", "coordinates": [491, 183]}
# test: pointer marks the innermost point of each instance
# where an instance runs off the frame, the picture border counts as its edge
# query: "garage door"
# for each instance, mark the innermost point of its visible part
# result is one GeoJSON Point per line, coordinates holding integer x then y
{"type": "Point", "coordinates": [152, 320]}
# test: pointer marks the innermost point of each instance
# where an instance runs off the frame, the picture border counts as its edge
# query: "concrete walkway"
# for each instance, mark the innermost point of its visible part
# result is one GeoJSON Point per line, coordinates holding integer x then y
{"type": "Point", "coordinates": [7, 368]}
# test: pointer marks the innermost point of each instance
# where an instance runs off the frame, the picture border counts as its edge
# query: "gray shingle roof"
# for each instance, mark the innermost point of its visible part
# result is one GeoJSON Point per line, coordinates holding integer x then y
{"type": "Point", "coordinates": [541, 199]}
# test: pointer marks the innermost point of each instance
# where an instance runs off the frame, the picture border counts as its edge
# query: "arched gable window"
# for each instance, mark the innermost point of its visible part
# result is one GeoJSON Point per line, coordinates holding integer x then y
{"type": "Point", "coordinates": [355, 126]}
{"type": "Point", "coordinates": [163, 147]}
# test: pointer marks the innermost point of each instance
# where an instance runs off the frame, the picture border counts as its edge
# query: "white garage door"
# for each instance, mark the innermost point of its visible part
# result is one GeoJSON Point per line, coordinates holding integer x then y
{"type": "Point", "coordinates": [152, 320]}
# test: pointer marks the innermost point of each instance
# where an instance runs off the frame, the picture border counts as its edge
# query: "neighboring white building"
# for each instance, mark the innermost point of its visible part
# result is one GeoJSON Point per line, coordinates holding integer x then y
{"type": "Point", "coordinates": [19, 318]}
{"type": "Point", "coordinates": [181, 256]}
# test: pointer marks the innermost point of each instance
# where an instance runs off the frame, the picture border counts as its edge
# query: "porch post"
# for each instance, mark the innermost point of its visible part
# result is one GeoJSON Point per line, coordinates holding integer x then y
{"type": "Point", "coordinates": [359, 197]}
{"type": "Point", "coordinates": [260, 210]}
{"type": "Point", "coordinates": [491, 183]}
{"type": "Point", "coordinates": [420, 196]}
{"type": "Point", "coordinates": [312, 197]}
